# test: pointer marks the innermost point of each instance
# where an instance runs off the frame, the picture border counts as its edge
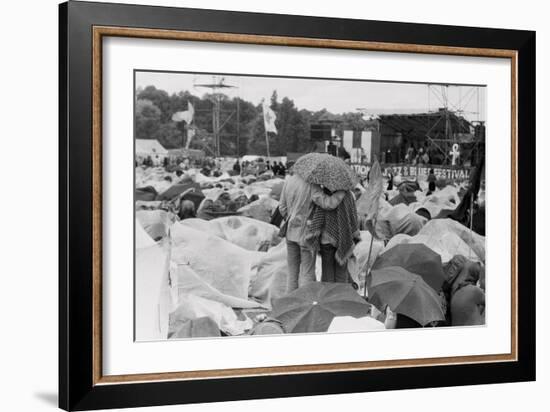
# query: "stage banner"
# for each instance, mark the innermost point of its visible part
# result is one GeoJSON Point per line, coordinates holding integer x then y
{"type": "Point", "coordinates": [413, 171]}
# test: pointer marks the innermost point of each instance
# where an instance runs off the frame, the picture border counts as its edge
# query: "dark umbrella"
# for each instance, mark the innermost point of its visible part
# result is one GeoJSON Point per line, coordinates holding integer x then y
{"type": "Point", "coordinates": [311, 308]}
{"type": "Point", "coordinates": [324, 169]}
{"type": "Point", "coordinates": [408, 186]}
{"type": "Point", "coordinates": [147, 193]}
{"type": "Point", "coordinates": [416, 258]}
{"type": "Point", "coordinates": [405, 293]}
{"type": "Point", "coordinates": [177, 189]}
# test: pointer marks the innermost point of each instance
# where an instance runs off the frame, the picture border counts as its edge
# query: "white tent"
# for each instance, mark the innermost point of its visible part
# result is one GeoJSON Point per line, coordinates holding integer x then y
{"type": "Point", "coordinates": [150, 148]}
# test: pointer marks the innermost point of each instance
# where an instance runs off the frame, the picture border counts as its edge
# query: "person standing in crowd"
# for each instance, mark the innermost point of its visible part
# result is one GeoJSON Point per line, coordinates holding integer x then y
{"type": "Point", "coordinates": [334, 229]}
{"type": "Point", "coordinates": [275, 169]}
{"type": "Point", "coordinates": [296, 205]}
{"type": "Point", "coordinates": [431, 182]}
{"type": "Point", "coordinates": [390, 180]}
{"type": "Point", "coordinates": [426, 157]}
{"type": "Point", "coordinates": [409, 154]}
{"type": "Point", "coordinates": [282, 169]}
{"type": "Point", "coordinates": [237, 167]}
{"type": "Point", "coordinates": [420, 156]}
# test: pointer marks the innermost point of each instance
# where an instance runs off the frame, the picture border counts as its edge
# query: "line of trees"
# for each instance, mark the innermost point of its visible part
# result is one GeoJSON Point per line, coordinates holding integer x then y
{"type": "Point", "coordinates": [153, 120]}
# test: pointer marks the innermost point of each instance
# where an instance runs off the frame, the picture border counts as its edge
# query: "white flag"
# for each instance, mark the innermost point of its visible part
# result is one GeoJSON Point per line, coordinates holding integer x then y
{"type": "Point", "coordinates": [370, 117]}
{"type": "Point", "coordinates": [269, 119]}
{"type": "Point", "coordinates": [185, 116]}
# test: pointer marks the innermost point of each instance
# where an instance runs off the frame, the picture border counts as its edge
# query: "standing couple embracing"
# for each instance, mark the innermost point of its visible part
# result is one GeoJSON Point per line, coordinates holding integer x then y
{"type": "Point", "coordinates": [317, 219]}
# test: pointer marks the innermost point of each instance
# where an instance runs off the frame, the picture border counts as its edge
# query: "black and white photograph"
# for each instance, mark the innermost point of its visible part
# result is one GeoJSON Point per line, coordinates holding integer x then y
{"type": "Point", "coordinates": [287, 205]}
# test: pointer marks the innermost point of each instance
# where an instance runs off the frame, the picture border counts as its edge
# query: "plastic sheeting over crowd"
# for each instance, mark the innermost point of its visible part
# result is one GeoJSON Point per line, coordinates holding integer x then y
{"type": "Point", "coordinates": [219, 271]}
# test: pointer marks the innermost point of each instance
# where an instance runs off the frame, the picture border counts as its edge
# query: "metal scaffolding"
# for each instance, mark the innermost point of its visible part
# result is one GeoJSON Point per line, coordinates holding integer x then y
{"type": "Point", "coordinates": [216, 98]}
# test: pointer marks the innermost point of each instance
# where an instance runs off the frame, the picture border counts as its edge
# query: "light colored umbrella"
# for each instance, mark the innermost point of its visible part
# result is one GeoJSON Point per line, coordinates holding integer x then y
{"type": "Point", "coordinates": [326, 170]}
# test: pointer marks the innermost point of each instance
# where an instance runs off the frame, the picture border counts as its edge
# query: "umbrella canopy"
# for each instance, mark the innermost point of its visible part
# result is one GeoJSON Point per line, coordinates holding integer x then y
{"type": "Point", "coordinates": [147, 193]}
{"type": "Point", "coordinates": [312, 307]}
{"type": "Point", "coordinates": [416, 258]}
{"type": "Point", "coordinates": [405, 293]}
{"type": "Point", "coordinates": [324, 169]}
{"type": "Point", "coordinates": [177, 189]}
{"type": "Point", "coordinates": [408, 186]}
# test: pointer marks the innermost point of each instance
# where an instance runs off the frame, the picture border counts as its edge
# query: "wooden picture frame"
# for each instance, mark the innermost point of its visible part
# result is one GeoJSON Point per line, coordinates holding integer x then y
{"type": "Point", "coordinates": [82, 27]}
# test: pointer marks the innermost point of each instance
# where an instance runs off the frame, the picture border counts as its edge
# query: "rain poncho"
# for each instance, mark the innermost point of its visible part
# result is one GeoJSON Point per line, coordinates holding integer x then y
{"type": "Point", "coordinates": [270, 273]}
{"type": "Point", "coordinates": [219, 263]}
{"type": "Point", "coordinates": [394, 220]}
{"type": "Point", "coordinates": [155, 222]}
{"type": "Point", "coordinates": [332, 222]}
{"type": "Point", "coordinates": [270, 277]}
{"type": "Point", "coordinates": [443, 200]}
{"type": "Point", "coordinates": [260, 209]}
{"type": "Point", "coordinates": [357, 265]}
{"type": "Point", "coordinates": [250, 234]}
{"type": "Point", "coordinates": [195, 307]}
{"type": "Point", "coordinates": [188, 281]}
{"type": "Point", "coordinates": [448, 238]}
{"type": "Point", "coordinates": [473, 241]}
{"type": "Point", "coordinates": [143, 239]}
{"type": "Point", "coordinates": [153, 298]}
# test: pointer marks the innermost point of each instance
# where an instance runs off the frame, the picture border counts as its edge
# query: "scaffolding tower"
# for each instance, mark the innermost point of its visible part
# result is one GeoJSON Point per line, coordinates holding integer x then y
{"type": "Point", "coordinates": [216, 98]}
{"type": "Point", "coordinates": [456, 130]}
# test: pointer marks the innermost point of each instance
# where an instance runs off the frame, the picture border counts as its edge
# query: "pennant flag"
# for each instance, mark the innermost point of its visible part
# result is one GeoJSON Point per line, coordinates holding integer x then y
{"type": "Point", "coordinates": [269, 119]}
{"type": "Point", "coordinates": [185, 116]}
{"type": "Point", "coordinates": [462, 212]}
{"type": "Point", "coordinates": [369, 202]}
{"type": "Point", "coordinates": [475, 178]}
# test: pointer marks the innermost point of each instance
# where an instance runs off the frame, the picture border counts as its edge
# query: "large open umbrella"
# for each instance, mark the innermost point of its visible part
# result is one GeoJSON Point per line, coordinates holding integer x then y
{"type": "Point", "coordinates": [416, 258]}
{"type": "Point", "coordinates": [327, 170]}
{"type": "Point", "coordinates": [147, 193]}
{"type": "Point", "coordinates": [405, 293]}
{"type": "Point", "coordinates": [177, 189]}
{"type": "Point", "coordinates": [312, 307]}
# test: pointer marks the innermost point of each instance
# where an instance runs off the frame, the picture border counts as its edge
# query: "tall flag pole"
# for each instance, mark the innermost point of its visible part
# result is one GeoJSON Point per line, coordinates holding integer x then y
{"type": "Point", "coordinates": [269, 123]}
{"type": "Point", "coordinates": [367, 208]}
{"type": "Point", "coordinates": [267, 144]}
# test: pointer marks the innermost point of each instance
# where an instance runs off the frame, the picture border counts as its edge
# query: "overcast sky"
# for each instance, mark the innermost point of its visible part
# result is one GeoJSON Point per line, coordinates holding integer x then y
{"type": "Point", "coordinates": [337, 96]}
